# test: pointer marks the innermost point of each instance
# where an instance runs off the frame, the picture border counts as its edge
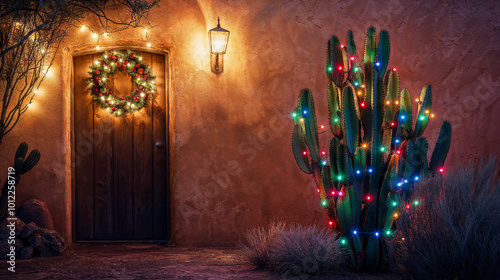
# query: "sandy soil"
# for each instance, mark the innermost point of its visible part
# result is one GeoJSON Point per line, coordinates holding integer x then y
{"type": "Point", "coordinates": [147, 261]}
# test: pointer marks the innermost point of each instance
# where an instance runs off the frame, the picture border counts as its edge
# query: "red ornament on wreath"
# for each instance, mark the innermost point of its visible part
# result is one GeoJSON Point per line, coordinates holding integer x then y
{"type": "Point", "coordinates": [107, 65]}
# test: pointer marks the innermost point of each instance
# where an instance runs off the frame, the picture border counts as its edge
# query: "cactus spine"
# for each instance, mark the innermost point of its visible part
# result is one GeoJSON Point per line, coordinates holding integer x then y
{"type": "Point", "coordinates": [375, 155]}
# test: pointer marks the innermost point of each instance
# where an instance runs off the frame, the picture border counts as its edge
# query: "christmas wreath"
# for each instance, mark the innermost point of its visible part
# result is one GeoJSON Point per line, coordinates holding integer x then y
{"type": "Point", "coordinates": [140, 72]}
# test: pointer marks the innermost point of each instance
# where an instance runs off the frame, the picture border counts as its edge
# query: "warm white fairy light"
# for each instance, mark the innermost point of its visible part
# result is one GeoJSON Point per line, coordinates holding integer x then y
{"type": "Point", "coordinates": [94, 35]}
{"type": "Point", "coordinates": [142, 94]}
{"type": "Point", "coordinates": [149, 44]}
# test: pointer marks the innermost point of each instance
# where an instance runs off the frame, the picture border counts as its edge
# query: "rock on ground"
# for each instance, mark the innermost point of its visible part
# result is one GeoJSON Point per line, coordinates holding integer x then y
{"type": "Point", "coordinates": [36, 211]}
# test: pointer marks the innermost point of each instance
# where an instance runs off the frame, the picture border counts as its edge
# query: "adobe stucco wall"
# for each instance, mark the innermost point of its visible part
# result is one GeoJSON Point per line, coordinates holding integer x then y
{"type": "Point", "coordinates": [233, 162]}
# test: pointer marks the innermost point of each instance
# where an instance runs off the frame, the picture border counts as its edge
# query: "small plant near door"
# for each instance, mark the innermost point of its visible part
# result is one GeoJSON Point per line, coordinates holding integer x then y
{"type": "Point", "coordinates": [376, 153]}
{"type": "Point", "coordinates": [22, 164]}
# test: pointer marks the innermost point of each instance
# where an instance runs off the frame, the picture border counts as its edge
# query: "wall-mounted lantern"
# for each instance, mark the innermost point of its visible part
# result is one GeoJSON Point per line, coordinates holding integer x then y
{"type": "Point", "coordinates": [218, 43]}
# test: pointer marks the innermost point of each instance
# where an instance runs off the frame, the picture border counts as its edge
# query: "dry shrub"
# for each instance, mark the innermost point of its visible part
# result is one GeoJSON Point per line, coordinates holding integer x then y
{"type": "Point", "coordinates": [455, 233]}
{"type": "Point", "coordinates": [294, 249]}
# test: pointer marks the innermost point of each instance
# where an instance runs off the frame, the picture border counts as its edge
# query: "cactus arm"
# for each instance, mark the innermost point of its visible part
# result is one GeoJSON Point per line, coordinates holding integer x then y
{"type": "Point", "coordinates": [442, 146]}
{"type": "Point", "coordinates": [369, 60]}
{"type": "Point", "coordinates": [337, 62]}
{"type": "Point", "coordinates": [392, 89]}
{"type": "Point", "coordinates": [329, 67]}
{"type": "Point", "coordinates": [350, 120]}
{"type": "Point", "coordinates": [31, 160]}
{"type": "Point", "coordinates": [298, 148]}
{"type": "Point", "coordinates": [344, 213]}
{"type": "Point", "coordinates": [405, 116]}
{"type": "Point", "coordinates": [334, 164]}
{"type": "Point", "coordinates": [384, 191]}
{"type": "Point", "coordinates": [341, 164]}
{"type": "Point", "coordinates": [419, 156]}
{"type": "Point", "coordinates": [372, 253]}
{"type": "Point", "coordinates": [333, 107]}
{"type": "Point", "coordinates": [383, 51]}
{"type": "Point", "coordinates": [21, 151]}
{"type": "Point", "coordinates": [425, 106]}
{"type": "Point", "coordinates": [311, 127]}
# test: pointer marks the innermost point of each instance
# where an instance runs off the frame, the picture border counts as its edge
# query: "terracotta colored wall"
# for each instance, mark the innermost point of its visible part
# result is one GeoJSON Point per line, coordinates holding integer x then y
{"type": "Point", "coordinates": [233, 162]}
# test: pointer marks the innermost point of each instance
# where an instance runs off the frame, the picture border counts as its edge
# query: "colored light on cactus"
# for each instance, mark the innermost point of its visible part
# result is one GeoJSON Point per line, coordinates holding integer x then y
{"type": "Point", "coordinates": [325, 162]}
{"type": "Point", "coordinates": [388, 102]}
{"type": "Point", "coordinates": [397, 140]}
{"type": "Point", "coordinates": [355, 232]}
{"type": "Point", "coordinates": [397, 102]}
{"type": "Point", "coordinates": [330, 223]}
{"type": "Point", "coordinates": [294, 115]}
{"type": "Point", "coordinates": [441, 170]}
{"type": "Point", "coordinates": [304, 112]}
{"type": "Point", "coordinates": [370, 170]}
{"type": "Point", "coordinates": [339, 177]}
{"type": "Point", "coordinates": [363, 104]}
{"type": "Point", "coordinates": [358, 172]}
{"type": "Point", "coordinates": [322, 126]}
{"type": "Point", "coordinates": [356, 69]}
{"type": "Point", "coordinates": [330, 68]}
{"type": "Point", "coordinates": [368, 197]}
{"type": "Point", "coordinates": [416, 202]}
{"type": "Point", "coordinates": [362, 86]}
{"type": "Point", "coordinates": [432, 115]}
{"type": "Point", "coordinates": [394, 69]}
{"type": "Point", "coordinates": [427, 111]}
{"type": "Point", "coordinates": [365, 145]}
{"type": "Point", "coordinates": [395, 215]}
{"type": "Point", "coordinates": [352, 58]}
{"type": "Point", "coordinates": [394, 203]}
{"type": "Point", "coordinates": [406, 181]}
{"type": "Point", "coordinates": [333, 192]}
{"type": "Point", "coordinates": [402, 117]}
{"type": "Point", "coordinates": [359, 92]}
{"type": "Point", "coordinates": [377, 233]}
{"type": "Point", "coordinates": [377, 64]}
{"type": "Point", "coordinates": [416, 178]}
{"type": "Point", "coordinates": [417, 100]}
{"type": "Point", "coordinates": [399, 184]}
{"type": "Point", "coordinates": [323, 203]}
{"type": "Point", "coordinates": [341, 194]}
{"type": "Point", "coordinates": [388, 232]}
{"type": "Point", "coordinates": [323, 152]}
{"type": "Point", "coordinates": [382, 149]}
{"type": "Point", "coordinates": [393, 124]}
{"type": "Point", "coordinates": [398, 152]}
{"type": "Point", "coordinates": [301, 119]}
{"type": "Point", "coordinates": [340, 68]}
{"type": "Point", "coordinates": [341, 46]}
{"type": "Point", "coordinates": [422, 118]}
{"type": "Point", "coordinates": [356, 83]}
{"type": "Point", "coordinates": [408, 206]}
{"type": "Point", "coordinates": [304, 153]}
{"type": "Point", "coordinates": [318, 190]}
{"type": "Point", "coordinates": [336, 120]}
{"type": "Point", "coordinates": [343, 241]}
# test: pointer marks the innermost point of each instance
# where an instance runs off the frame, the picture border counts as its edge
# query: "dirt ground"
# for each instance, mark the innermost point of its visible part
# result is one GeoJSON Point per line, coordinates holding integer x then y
{"type": "Point", "coordinates": [147, 261]}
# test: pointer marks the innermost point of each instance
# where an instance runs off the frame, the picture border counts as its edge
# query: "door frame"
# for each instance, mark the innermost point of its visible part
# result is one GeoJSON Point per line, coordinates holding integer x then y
{"type": "Point", "coordinates": [170, 117]}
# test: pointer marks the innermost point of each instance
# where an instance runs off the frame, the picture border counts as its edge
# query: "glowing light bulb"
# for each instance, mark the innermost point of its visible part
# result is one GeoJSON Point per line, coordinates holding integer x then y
{"type": "Point", "coordinates": [382, 149]}
{"type": "Point", "coordinates": [340, 68]}
{"type": "Point", "coordinates": [356, 69]}
{"type": "Point", "coordinates": [343, 241]}
{"type": "Point", "coordinates": [323, 152]}
{"type": "Point", "coordinates": [417, 100]}
{"type": "Point", "coordinates": [352, 58]}
{"type": "Point", "coordinates": [329, 68]}
{"type": "Point", "coordinates": [377, 63]}
{"type": "Point", "coordinates": [324, 202]}
{"type": "Point", "coordinates": [302, 119]}
{"type": "Point", "coordinates": [322, 126]}
{"type": "Point", "coordinates": [318, 190]}
{"type": "Point", "coordinates": [363, 104]}
{"type": "Point", "coordinates": [394, 69]}
{"type": "Point", "coordinates": [324, 162]}
{"type": "Point", "coordinates": [377, 233]}
{"type": "Point", "coordinates": [399, 184]}
{"type": "Point", "coordinates": [359, 92]}
{"type": "Point", "coordinates": [395, 215]}
{"type": "Point", "coordinates": [36, 91]}
{"type": "Point", "coordinates": [339, 177]}
{"type": "Point", "coordinates": [341, 46]}
{"type": "Point", "coordinates": [406, 181]}
{"type": "Point", "coordinates": [422, 118]}
{"type": "Point", "coordinates": [142, 94]}
{"type": "Point", "coordinates": [333, 192]}
{"type": "Point", "coordinates": [408, 206]}
{"type": "Point", "coordinates": [94, 35]}
{"type": "Point", "coordinates": [393, 124]}
{"type": "Point", "coordinates": [336, 120]}
{"type": "Point", "coordinates": [145, 30]}
{"type": "Point", "coordinates": [368, 197]}
{"type": "Point", "coordinates": [102, 97]}
{"type": "Point", "coordinates": [83, 27]}
{"type": "Point", "coordinates": [294, 114]}
{"type": "Point", "coordinates": [398, 152]}
{"type": "Point", "coordinates": [416, 202]}
{"type": "Point", "coordinates": [441, 170]}
{"type": "Point", "coordinates": [397, 102]}
{"type": "Point", "coordinates": [402, 117]}
{"type": "Point", "coordinates": [355, 232]}
{"type": "Point", "coordinates": [427, 111]}
{"type": "Point", "coordinates": [356, 83]}
{"type": "Point", "coordinates": [133, 105]}
{"type": "Point", "coordinates": [97, 47]}
{"type": "Point", "coordinates": [330, 223]}
{"type": "Point", "coordinates": [370, 170]}
{"type": "Point", "coordinates": [364, 145]}
{"type": "Point", "coordinates": [388, 232]}
{"type": "Point", "coordinates": [105, 34]}
{"type": "Point", "coordinates": [416, 178]}
{"type": "Point", "coordinates": [149, 44]}
{"type": "Point", "coordinates": [140, 58]}
{"type": "Point", "coordinates": [341, 194]}
{"type": "Point", "coordinates": [388, 102]}
{"type": "Point", "coordinates": [397, 140]}
{"type": "Point", "coordinates": [358, 171]}
{"type": "Point", "coordinates": [432, 115]}
{"type": "Point", "coordinates": [304, 153]}
{"type": "Point", "coordinates": [394, 203]}
{"type": "Point", "coordinates": [305, 112]}
{"type": "Point", "coordinates": [362, 86]}
{"type": "Point", "coordinates": [96, 62]}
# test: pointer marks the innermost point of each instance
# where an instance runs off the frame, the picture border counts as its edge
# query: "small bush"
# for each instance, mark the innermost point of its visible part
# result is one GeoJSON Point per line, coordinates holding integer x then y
{"type": "Point", "coordinates": [455, 233]}
{"type": "Point", "coordinates": [259, 241]}
{"type": "Point", "coordinates": [306, 250]}
{"type": "Point", "coordinates": [294, 249]}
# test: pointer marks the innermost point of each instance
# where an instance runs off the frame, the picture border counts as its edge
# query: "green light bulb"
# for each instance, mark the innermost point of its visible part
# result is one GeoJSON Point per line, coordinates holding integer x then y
{"type": "Point", "coordinates": [382, 149]}
{"type": "Point", "coordinates": [394, 203]}
{"type": "Point", "coordinates": [388, 232]}
{"type": "Point", "coordinates": [416, 202]}
{"type": "Point", "coordinates": [330, 68]}
{"type": "Point", "coordinates": [336, 120]}
{"type": "Point", "coordinates": [422, 118]}
{"type": "Point", "coordinates": [340, 177]}
{"type": "Point", "coordinates": [324, 203]}
{"type": "Point", "coordinates": [343, 241]}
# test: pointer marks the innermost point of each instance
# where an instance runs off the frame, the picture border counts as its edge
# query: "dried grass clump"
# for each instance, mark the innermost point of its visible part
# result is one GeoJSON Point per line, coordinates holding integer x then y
{"type": "Point", "coordinates": [455, 233]}
{"type": "Point", "coordinates": [294, 249]}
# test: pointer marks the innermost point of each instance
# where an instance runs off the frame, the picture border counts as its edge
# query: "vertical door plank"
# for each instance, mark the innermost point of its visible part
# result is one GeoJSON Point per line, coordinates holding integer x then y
{"type": "Point", "coordinates": [123, 209]}
{"type": "Point", "coordinates": [160, 222]}
{"type": "Point", "coordinates": [83, 154]}
{"type": "Point", "coordinates": [103, 169]}
{"type": "Point", "coordinates": [143, 165]}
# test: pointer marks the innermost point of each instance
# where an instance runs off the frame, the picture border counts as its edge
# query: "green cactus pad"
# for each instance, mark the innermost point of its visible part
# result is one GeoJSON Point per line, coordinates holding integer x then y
{"type": "Point", "coordinates": [442, 146]}
{"type": "Point", "coordinates": [333, 107]}
{"type": "Point", "coordinates": [350, 120]}
{"type": "Point", "coordinates": [311, 126]}
{"type": "Point", "coordinates": [423, 111]}
{"type": "Point", "coordinates": [298, 148]}
{"type": "Point", "coordinates": [405, 116]}
{"type": "Point", "coordinates": [383, 51]}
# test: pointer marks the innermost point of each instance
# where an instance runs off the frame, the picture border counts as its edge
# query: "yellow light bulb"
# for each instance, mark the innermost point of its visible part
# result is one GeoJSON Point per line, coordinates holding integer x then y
{"type": "Point", "coordinates": [432, 115]}
{"type": "Point", "coordinates": [362, 86]}
{"type": "Point", "coordinates": [97, 47]}
{"type": "Point", "coordinates": [302, 120]}
{"type": "Point", "coordinates": [395, 215]}
{"type": "Point", "coordinates": [417, 100]}
{"type": "Point", "coordinates": [149, 44]}
{"type": "Point", "coordinates": [397, 102]}
{"type": "Point", "coordinates": [388, 102]}
{"type": "Point", "coordinates": [95, 35]}
{"type": "Point", "coordinates": [359, 92]}
{"type": "Point", "coordinates": [427, 111]}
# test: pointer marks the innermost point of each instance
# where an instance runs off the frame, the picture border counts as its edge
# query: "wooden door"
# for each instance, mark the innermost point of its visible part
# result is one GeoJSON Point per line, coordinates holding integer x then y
{"type": "Point", "coordinates": [121, 171]}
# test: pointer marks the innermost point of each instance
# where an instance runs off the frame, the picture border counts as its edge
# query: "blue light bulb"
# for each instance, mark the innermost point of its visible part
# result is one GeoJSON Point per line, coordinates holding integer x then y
{"type": "Point", "coordinates": [416, 178]}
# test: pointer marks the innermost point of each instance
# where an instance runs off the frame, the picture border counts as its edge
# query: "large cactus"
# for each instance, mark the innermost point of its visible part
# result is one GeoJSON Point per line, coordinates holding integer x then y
{"type": "Point", "coordinates": [375, 155]}
{"type": "Point", "coordinates": [22, 164]}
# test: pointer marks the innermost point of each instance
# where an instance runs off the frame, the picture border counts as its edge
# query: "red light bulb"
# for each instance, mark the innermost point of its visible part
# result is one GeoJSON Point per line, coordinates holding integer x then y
{"type": "Point", "coordinates": [368, 197]}
{"type": "Point", "coordinates": [394, 69]}
{"type": "Point", "coordinates": [341, 46]}
{"type": "Point", "coordinates": [318, 190]}
{"type": "Point", "coordinates": [393, 124]}
{"type": "Point", "coordinates": [398, 152]}
{"type": "Point", "coordinates": [362, 104]}
{"type": "Point", "coordinates": [304, 153]}
{"type": "Point", "coordinates": [340, 67]}
{"type": "Point", "coordinates": [407, 206]}
{"type": "Point", "coordinates": [333, 192]}
{"type": "Point", "coordinates": [330, 223]}
{"type": "Point", "coordinates": [322, 126]}
{"type": "Point", "coordinates": [340, 194]}
{"type": "Point", "coordinates": [323, 152]}
{"type": "Point", "coordinates": [441, 170]}
{"type": "Point", "coordinates": [352, 57]}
